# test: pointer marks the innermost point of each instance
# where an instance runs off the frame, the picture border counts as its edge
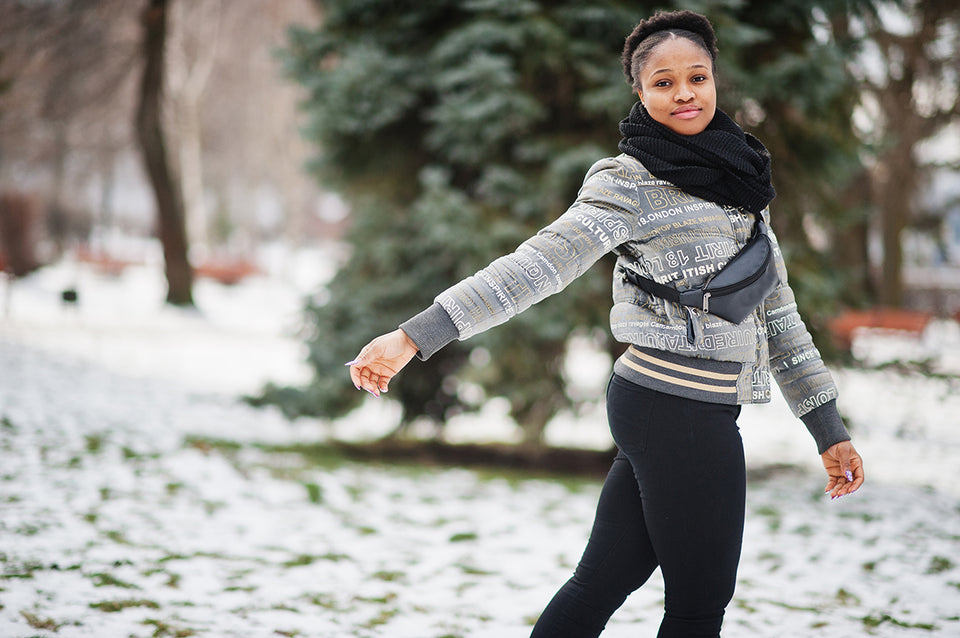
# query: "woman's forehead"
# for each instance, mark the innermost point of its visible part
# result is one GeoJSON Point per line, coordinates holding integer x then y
{"type": "Point", "coordinates": [677, 50]}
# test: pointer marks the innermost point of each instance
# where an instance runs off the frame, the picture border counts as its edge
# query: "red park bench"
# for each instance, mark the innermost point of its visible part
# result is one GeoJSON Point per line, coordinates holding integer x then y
{"type": "Point", "coordinates": [911, 322]}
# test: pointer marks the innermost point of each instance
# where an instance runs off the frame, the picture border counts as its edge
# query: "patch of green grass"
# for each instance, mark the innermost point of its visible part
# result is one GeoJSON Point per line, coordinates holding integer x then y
{"type": "Point", "coordinates": [356, 492]}
{"type": "Point", "coordinates": [780, 603]}
{"type": "Point", "coordinates": [389, 576]}
{"type": "Point", "coordinates": [37, 622]}
{"type": "Point", "coordinates": [308, 559]}
{"type": "Point", "coordinates": [463, 536]}
{"type": "Point", "coordinates": [281, 607]}
{"type": "Point", "coordinates": [872, 622]}
{"type": "Point", "coordinates": [23, 571]}
{"type": "Point", "coordinates": [380, 619]}
{"type": "Point", "coordinates": [206, 444]}
{"type": "Point", "coordinates": [772, 515]}
{"type": "Point", "coordinates": [114, 606]}
{"type": "Point", "coordinates": [301, 561]}
{"type": "Point", "coordinates": [324, 601]}
{"type": "Point", "coordinates": [173, 488]}
{"type": "Point", "coordinates": [474, 571]}
{"type": "Point", "coordinates": [7, 424]}
{"type": "Point", "coordinates": [846, 598]}
{"type": "Point", "coordinates": [939, 564]}
{"type": "Point", "coordinates": [248, 589]}
{"type": "Point", "coordinates": [382, 600]}
{"type": "Point", "coordinates": [162, 629]}
{"type": "Point", "coordinates": [211, 507]}
{"type": "Point", "coordinates": [102, 579]}
{"type": "Point", "coordinates": [117, 537]}
{"type": "Point", "coordinates": [129, 454]}
{"type": "Point", "coordinates": [776, 560]}
{"type": "Point", "coordinates": [314, 493]}
{"type": "Point", "coordinates": [314, 455]}
{"type": "Point", "coordinates": [94, 443]}
{"type": "Point", "coordinates": [860, 516]}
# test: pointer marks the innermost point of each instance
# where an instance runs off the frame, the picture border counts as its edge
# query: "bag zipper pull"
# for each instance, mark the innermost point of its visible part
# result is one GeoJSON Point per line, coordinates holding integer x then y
{"type": "Point", "coordinates": [706, 301]}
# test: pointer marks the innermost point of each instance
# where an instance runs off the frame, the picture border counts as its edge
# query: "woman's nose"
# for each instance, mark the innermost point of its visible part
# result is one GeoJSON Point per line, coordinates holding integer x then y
{"type": "Point", "coordinates": [684, 93]}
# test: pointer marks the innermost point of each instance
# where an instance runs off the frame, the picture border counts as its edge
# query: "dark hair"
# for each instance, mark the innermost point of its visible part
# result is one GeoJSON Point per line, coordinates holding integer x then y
{"type": "Point", "coordinates": [664, 25]}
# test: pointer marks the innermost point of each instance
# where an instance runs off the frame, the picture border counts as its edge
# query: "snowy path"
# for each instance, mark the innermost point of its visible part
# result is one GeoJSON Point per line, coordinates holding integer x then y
{"type": "Point", "coordinates": [118, 518]}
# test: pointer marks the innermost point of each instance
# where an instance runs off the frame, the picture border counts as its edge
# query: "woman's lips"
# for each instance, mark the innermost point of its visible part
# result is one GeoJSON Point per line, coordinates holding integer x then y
{"type": "Point", "coordinates": [687, 113]}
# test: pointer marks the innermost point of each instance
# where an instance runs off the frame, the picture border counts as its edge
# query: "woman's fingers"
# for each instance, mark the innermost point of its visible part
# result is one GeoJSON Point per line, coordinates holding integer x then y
{"type": "Point", "coordinates": [368, 372]}
{"type": "Point", "coordinates": [380, 360]}
{"type": "Point", "coordinates": [371, 380]}
{"type": "Point", "coordinates": [844, 469]}
{"type": "Point", "coordinates": [843, 485]}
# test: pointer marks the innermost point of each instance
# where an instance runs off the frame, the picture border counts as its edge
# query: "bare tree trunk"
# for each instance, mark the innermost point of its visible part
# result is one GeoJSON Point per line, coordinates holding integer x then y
{"type": "Point", "coordinates": [896, 193]}
{"type": "Point", "coordinates": [169, 199]}
{"type": "Point", "coordinates": [852, 241]}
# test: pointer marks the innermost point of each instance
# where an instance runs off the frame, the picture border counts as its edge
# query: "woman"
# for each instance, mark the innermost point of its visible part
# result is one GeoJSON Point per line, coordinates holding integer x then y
{"type": "Point", "coordinates": [680, 200]}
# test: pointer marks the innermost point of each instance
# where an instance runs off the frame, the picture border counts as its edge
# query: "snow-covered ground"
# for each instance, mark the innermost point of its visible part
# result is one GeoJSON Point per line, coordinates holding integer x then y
{"type": "Point", "coordinates": [139, 497]}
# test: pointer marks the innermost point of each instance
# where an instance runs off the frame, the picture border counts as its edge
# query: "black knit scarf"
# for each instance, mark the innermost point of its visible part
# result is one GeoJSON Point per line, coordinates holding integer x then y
{"type": "Point", "coordinates": [721, 164]}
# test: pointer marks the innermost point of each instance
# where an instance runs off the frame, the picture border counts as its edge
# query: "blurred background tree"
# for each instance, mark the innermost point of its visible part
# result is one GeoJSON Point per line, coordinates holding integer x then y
{"type": "Point", "coordinates": [456, 129]}
{"type": "Point", "coordinates": [910, 87]}
{"type": "Point", "coordinates": [68, 141]}
{"type": "Point", "coordinates": [151, 132]}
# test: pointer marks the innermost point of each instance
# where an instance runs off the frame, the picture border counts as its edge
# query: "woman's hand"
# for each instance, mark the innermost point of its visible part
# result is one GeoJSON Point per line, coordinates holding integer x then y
{"type": "Point", "coordinates": [844, 468]}
{"type": "Point", "coordinates": [380, 360]}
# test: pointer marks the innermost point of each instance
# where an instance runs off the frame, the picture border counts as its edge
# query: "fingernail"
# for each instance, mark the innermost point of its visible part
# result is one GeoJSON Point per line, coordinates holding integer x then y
{"type": "Point", "coordinates": [374, 393]}
{"type": "Point", "coordinates": [849, 476]}
{"type": "Point", "coordinates": [350, 363]}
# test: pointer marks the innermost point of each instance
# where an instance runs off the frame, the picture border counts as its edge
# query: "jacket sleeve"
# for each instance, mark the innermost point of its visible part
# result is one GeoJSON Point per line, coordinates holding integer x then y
{"type": "Point", "coordinates": [597, 222]}
{"type": "Point", "coordinates": [797, 367]}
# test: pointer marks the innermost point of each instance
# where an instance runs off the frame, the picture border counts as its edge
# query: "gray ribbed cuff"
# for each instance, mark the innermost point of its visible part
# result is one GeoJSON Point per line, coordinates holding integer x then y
{"type": "Point", "coordinates": [826, 426]}
{"type": "Point", "coordinates": [430, 330]}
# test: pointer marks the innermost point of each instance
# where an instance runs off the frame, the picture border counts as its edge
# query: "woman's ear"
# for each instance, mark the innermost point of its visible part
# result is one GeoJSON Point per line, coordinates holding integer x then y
{"type": "Point", "coordinates": [640, 95]}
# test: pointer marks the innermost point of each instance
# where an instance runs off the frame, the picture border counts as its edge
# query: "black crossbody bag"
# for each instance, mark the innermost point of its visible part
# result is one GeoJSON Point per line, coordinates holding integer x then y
{"type": "Point", "coordinates": [735, 291]}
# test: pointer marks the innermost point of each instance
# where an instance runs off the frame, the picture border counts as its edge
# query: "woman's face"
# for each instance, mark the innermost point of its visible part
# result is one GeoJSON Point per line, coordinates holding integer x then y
{"type": "Point", "coordinates": [677, 86]}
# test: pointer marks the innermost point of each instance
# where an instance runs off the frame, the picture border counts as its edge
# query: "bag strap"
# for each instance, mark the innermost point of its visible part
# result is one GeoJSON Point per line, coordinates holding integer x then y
{"type": "Point", "coordinates": [649, 285]}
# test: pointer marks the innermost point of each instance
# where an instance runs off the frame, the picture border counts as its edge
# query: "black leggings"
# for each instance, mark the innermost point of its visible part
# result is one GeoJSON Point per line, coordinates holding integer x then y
{"type": "Point", "coordinates": [687, 517]}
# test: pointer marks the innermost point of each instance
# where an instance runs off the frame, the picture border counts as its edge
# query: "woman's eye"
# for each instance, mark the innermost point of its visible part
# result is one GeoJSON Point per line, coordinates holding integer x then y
{"type": "Point", "coordinates": [662, 83]}
{"type": "Point", "coordinates": [700, 78]}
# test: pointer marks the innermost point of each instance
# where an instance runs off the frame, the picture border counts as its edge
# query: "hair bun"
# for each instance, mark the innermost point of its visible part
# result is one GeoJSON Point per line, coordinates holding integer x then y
{"type": "Point", "coordinates": [668, 21]}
